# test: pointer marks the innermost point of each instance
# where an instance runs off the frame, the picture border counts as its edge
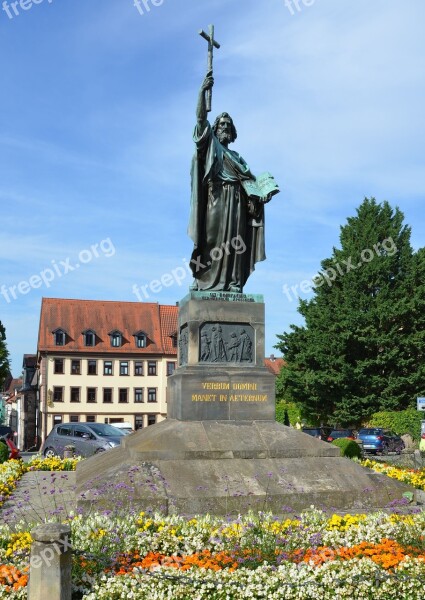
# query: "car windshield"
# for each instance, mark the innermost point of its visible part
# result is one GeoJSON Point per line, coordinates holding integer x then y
{"type": "Point", "coordinates": [343, 433]}
{"type": "Point", "coordinates": [370, 431]}
{"type": "Point", "coordinates": [105, 430]}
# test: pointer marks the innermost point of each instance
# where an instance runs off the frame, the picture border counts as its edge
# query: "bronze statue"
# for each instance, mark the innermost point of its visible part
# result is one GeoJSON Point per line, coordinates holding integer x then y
{"type": "Point", "coordinates": [227, 205]}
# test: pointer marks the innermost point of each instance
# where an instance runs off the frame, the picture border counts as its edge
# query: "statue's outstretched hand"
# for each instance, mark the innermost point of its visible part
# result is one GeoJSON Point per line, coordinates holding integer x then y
{"type": "Point", "coordinates": [208, 82]}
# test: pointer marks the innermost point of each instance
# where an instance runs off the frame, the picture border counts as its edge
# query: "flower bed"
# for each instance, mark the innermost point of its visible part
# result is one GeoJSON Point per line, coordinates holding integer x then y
{"type": "Point", "coordinates": [149, 556]}
{"type": "Point", "coordinates": [11, 471]}
{"type": "Point", "coordinates": [415, 478]}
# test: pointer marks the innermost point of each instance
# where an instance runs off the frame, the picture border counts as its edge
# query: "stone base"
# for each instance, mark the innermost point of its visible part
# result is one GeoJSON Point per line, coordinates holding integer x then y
{"type": "Point", "coordinates": [221, 374]}
{"type": "Point", "coordinates": [228, 467]}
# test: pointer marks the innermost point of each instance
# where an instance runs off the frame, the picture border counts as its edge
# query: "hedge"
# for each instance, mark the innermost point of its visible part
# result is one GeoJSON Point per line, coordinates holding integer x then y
{"type": "Point", "coordinates": [292, 412]}
{"type": "Point", "coordinates": [404, 421]}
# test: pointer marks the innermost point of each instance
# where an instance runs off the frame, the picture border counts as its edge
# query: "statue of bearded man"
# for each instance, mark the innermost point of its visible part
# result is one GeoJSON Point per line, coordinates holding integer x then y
{"type": "Point", "coordinates": [226, 226]}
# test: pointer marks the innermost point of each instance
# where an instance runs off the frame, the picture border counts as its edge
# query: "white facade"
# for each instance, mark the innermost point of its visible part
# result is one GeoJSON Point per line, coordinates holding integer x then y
{"type": "Point", "coordinates": [80, 388]}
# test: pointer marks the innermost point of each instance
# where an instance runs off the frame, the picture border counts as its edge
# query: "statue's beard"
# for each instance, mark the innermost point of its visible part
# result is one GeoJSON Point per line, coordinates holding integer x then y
{"type": "Point", "coordinates": [224, 138]}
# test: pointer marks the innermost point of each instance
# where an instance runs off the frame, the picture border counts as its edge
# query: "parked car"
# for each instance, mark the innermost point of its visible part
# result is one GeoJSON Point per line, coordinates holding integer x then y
{"type": "Point", "coordinates": [321, 433]}
{"type": "Point", "coordinates": [377, 439]}
{"type": "Point", "coordinates": [87, 438]}
{"type": "Point", "coordinates": [336, 434]}
{"type": "Point", "coordinates": [124, 427]}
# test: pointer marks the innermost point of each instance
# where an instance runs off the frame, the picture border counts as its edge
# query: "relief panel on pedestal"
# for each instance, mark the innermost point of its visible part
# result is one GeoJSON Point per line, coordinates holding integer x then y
{"type": "Point", "coordinates": [226, 343]}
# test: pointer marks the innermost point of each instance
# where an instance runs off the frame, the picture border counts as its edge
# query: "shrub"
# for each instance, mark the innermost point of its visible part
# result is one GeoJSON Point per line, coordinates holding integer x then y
{"type": "Point", "coordinates": [290, 410]}
{"type": "Point", "coordinates": [4, 452]}
{"type": "Point", "coordinates": [349, 448]}
{"type": "Point", "coordinates": [404, 421]}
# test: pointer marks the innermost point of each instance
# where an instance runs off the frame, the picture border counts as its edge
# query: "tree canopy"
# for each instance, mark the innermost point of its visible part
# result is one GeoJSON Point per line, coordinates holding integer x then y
{"type": "Point", "coordinates": [4, 356]}
{"type": "Point", "coordinates": [362, 347]}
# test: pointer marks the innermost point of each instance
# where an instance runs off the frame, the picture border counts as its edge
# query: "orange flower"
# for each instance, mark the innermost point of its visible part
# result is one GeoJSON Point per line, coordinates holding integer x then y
{"type": "Point", "coordinates": [205, 559]}
{"type": "Point", "coordinates": [12, 578]}
{"type": "Point", "coordinates": [387, 553]}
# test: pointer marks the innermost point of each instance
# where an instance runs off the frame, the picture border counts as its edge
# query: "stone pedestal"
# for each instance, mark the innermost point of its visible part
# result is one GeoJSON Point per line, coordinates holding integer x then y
{"type": "Point", "coordinates": [220, 450]}
{"type": "Point", "coordinates": [221, 374]}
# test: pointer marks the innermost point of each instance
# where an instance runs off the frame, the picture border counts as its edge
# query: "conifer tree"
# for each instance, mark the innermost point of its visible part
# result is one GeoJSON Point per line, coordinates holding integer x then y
{"type": "Point", "coordinates": [362, 347]}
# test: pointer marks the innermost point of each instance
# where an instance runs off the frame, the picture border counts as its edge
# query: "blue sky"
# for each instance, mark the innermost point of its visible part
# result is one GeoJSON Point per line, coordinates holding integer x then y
{"type": "Point", "coordinates": [97, 110]}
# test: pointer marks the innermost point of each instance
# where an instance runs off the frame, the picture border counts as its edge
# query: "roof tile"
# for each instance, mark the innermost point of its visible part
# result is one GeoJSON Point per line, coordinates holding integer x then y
{"type": "Point", "coordinates": [101, 316]}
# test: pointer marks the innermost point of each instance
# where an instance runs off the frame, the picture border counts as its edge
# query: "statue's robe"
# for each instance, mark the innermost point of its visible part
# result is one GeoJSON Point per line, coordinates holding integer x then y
{"type": "Point", "coordinates": [226, 227]}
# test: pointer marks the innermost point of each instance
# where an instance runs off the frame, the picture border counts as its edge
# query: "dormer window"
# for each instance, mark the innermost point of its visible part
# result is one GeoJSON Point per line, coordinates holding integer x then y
{"type": "Point", "coordinates": [60, 337]}
{"type": "Point", "coordinates": [174, 340]}
{"type": "Point", "coordinates": [141, 339]}
{"type": "Point", "coordinates": [116, 339]}
{"type": "Point", "coordinates": [89, 338]}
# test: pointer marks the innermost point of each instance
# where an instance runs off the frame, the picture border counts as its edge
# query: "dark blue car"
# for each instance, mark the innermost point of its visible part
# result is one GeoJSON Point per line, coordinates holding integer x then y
{"type": "Point", "coordinates": [379, 440]}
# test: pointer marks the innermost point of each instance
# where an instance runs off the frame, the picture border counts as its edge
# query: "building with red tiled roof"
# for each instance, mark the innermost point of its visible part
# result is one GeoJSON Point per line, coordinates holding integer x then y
{"type": "Point", "coordinates": [274, 365]}
{"type": "Point", "coordinates": [104, 361]}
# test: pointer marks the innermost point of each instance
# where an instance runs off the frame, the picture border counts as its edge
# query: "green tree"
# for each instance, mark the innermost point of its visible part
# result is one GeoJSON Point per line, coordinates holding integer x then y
{"type": "Point", "coordinates": [4, 356]}
{"type": "Point", "coordinates": [362, 347]}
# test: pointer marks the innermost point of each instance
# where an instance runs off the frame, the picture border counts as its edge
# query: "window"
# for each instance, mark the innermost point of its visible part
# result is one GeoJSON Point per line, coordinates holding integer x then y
{"type": "Point", "coordinates": [75, 367]}
{"type": "Point", "coordinates": [123, 395]}
{"type": "Point", "coordinates": [57, 419]}
{"type": "Point", "coordinates": [151, 419]}
{"type": "Point", "coordinates": [116, 339]}
{"type": "Point", "coordinates": [107, 367]}
{"type": "Point", "coordinates": [59, 337]}
{"type": "Point", "coordinates": [107, 395]}
{"type": "Point", "coordinates": [65, 430]}
{"type": "Point", "coordinates": [75, 394]}
{"type": "Point", "coordinates": [91, 418]}
{"type": "Point", "coordinates": [89, 338]}
{"type": "Point", "coordinates": [123, 367]}
{"type": "Point", "coordinates": [171, 367]}
{"type": "Point", "coordinates": [74, 418]}
{"type": "Point", "coordinates": [138, 367]}
{"type": "Point", "coordinates": [59, 366]}
{"type": "Point", "coordinates": [58, 394]}
{"type": "Point", "coordinates": [138, 422]}
{"type": "Point", "coordinates": [81, 431]}
{"type": "Point", "coordinates": [151, 394]}
{"type": "Point", "coordinates": [140, 340]}
{"type": "Point", "coordinates": [91, 394]}
{"type": "Point", "coordinates": [152, 367]}
{"type": "Point", "coordinates": [92, 367]}
{"type": "Point", "coordinates": [138, 395]}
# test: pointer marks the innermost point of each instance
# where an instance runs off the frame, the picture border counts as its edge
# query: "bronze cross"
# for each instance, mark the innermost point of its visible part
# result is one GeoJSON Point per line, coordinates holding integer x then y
{"type": "Point", "coordinates": [211, 45]}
